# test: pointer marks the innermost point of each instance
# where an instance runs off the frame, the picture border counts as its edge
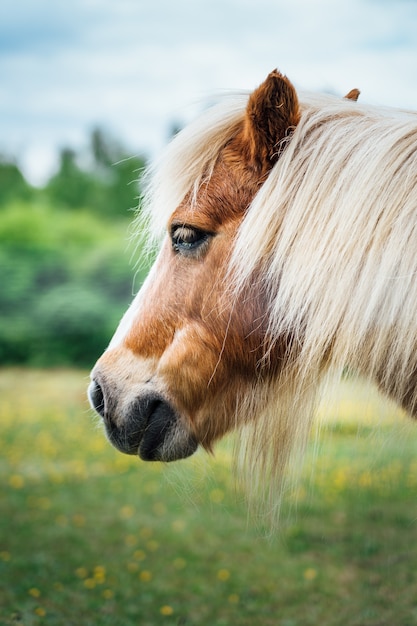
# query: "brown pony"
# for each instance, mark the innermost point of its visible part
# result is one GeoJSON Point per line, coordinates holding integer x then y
{"type": "Point", "coordinates": [289, 238]}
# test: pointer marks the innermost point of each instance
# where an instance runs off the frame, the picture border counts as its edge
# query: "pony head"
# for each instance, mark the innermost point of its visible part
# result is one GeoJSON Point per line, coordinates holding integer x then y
{"type": "Point", "coordinates": [182, 367]}
{"type": "Point", "coordinates": [288, 245]}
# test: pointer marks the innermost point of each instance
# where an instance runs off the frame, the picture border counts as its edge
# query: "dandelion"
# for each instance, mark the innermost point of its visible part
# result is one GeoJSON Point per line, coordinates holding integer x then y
{"type": "Point", "coordinates": [40, 611]}
{"type": "Point", "coordinates": [139, 555]}
{"type": "Point", "coordinates": [310, 573]}
{"type": "Point", "coordinates": [152, 545]}
{"type": "Point", "coordinates": [16, 481]}
{"type": "Point", "coordinates": [340, 479]}
{"type": "Point", "coordinates": [108, 594]}
{"type": "Point", "coordinates": [233, 598]}
{"type": "Point", "coordinates": [178, 525]}
{"type": "Point", "coordinates": [166, 610]}
{"type": "Point", "coordinates": [34, 592]}
{"type": "Point", "coordinates": [43, 503]}
{"type": "Point", "coordinates": [131, 540]}
{"type": "Point", "coordinates": [89, 583]}
{"type": "Point", "coordinates": [100, 574]}
{"type": "Point", "coordinates": [223, 574]}
{"type": "Point", "coordinates": [81, 572]}
{"type": "Point", "coordinates": [132, 567]}
{"type": "Point", "coordinates": [126, 512]}
{"type": "Point", "coordinates": [145, 576]}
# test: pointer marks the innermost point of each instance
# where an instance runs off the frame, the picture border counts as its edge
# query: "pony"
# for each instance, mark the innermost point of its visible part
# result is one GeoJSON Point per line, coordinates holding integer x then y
{"type": "Point", "coordinates": [286, 225]}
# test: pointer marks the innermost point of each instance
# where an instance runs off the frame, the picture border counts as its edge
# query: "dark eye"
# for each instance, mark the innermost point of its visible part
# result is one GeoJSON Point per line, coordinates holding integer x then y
{"type": "Point", "coordinates": [188, 240]}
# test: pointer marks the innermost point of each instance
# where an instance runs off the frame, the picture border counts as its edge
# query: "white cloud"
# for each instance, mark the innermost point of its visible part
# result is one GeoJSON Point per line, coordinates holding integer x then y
{"type": "Point", "coordinates": [138, 66]}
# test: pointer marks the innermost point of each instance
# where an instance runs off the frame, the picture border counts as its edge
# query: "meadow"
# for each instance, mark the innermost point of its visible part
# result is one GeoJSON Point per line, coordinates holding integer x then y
{"type": "Point", "coordinates": [90, 537]}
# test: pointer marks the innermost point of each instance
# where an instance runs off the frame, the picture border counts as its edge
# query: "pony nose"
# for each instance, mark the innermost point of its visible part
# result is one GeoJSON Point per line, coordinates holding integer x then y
{"type": "Point", "coordinates": [96, 397]}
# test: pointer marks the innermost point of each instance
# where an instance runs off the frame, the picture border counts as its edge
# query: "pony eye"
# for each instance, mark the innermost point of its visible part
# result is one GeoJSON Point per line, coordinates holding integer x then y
{"type": "Point", "coordinates": [187, 240]}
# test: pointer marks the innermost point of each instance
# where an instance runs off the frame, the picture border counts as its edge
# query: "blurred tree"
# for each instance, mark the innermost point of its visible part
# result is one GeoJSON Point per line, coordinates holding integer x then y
{"type": "Point", "coordinates": [66, 281]}
{"type": "Point", "coordinates": [65, 276]}
{"type": "Point", "coordinates": [13, 185]}
{"type": "Point", "coordinates": [70, 187]}
{"type": "Point", "coordinates": [107, 182]}
{"type": "Point", "coordinates": [117, 173]}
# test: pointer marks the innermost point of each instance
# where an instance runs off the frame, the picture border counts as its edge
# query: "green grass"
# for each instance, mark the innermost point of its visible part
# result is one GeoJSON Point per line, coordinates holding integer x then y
{"type": "Point", "coordinates": [91, 537]}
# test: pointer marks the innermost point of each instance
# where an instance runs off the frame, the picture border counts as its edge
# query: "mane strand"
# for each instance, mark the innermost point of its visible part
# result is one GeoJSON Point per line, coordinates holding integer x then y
{"type": "Point", "coordinates": [188, 159]}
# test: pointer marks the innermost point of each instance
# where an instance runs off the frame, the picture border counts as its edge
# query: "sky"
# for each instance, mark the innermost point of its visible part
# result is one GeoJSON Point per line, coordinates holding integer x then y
{"type": "Point", "coordinates": [138, 67]}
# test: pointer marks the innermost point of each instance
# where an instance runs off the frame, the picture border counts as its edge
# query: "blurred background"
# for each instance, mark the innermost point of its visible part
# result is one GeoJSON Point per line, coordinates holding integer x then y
{"type": "Point", "coordinates": [90, 91]}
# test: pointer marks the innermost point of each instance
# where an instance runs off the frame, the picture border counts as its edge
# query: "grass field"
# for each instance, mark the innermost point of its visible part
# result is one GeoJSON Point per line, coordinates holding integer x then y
{"type": "Point", "coordinates": [89, 537]}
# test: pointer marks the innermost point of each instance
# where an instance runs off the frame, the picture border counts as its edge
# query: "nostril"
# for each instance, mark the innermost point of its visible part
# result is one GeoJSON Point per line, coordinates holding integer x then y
{"type": "Point", "coordinates": [96, 396]}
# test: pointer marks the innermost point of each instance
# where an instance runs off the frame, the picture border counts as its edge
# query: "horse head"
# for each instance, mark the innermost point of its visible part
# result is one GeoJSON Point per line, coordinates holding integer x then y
{"type": "Point", "coordinates": [189, 351]}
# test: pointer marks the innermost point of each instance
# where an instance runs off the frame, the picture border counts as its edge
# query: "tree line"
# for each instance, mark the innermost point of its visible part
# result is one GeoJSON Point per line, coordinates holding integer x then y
{"type": "Point", "coordinates": [67, 272]}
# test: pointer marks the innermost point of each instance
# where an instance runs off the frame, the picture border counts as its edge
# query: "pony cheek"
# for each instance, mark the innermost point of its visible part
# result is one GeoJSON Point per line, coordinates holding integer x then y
{"type": "Point", "coordinates": [190, 368]}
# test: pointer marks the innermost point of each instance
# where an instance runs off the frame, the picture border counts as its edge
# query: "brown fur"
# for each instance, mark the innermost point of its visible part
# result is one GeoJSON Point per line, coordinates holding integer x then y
{"type": "Point", "coordinates": [353, 95]}
{"type": "Point", "coordinates": [272, 112]}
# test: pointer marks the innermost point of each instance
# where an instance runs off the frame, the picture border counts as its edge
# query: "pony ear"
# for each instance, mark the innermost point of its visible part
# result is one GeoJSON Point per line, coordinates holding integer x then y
{"type": "Point", "coordinates": [353, 95]}
{"type": "Point", "coordinates": [272, 111]}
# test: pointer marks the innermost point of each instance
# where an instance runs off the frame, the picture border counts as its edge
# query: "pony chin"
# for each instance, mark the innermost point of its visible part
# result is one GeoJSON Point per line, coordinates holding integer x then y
{"type": "Point", "coordinates": [149, 427]}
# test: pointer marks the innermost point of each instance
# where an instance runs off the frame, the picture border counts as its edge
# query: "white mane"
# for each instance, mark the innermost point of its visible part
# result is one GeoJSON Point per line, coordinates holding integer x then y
{"type": "Point", "coordinates": [187, 159]}
{"type": "Point", "coordinates": [334, 228]}
{"type": "Point", "coordinates": [339, 212]}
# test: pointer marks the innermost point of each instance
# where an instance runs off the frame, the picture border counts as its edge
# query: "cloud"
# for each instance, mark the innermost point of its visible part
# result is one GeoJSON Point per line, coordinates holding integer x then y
{"type": "Point", "coordinates": [136, 67]}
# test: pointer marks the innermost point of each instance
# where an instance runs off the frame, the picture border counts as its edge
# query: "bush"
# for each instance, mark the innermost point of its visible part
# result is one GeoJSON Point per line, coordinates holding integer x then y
{"type": "Point", "coordinates": [66, 281]}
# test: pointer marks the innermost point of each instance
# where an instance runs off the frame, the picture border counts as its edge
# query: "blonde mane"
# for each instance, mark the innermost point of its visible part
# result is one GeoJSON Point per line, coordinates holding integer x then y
{"type": "Point", "coordinates": [334, 231]}
{"type": "Point", "coordinates": [187, 160]}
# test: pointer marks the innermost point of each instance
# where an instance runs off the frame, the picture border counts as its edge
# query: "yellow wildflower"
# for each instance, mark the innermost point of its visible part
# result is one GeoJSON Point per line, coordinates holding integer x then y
{"type": "Point", "coordinates": [223, 574]}
{"type": "Point", "coordinates": [310, 573]}
{"type": "Point", "coordinates": [233, 598]}
{"type": "Point", "coordinates": [166, 610]}
{"type": "Point", "coordinates": [145, 576]}
{"type": "Point", "coordinates": [89, 583]}
{"type": "Point", "coordinates": [81, 572]}
{"type": "Point", "coordinates": [16, 481]}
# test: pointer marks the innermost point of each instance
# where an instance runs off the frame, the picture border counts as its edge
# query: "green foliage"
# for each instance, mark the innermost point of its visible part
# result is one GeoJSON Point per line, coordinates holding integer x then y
{"type": "Point", "coordinates": [65, 268]}
{"type": "Point", "coordinates": [103, 178]}
{"type": "Point", "coordinates": [13, 186]}
{"type": "Point", "coordinates": [66, 282]}
{"type": "Point", "coordinates": [71, 187]}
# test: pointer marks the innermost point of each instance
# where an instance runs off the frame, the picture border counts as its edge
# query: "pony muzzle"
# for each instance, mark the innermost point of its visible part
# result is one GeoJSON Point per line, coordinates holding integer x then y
{"type": "Point", "coordinates": [149, 427]}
